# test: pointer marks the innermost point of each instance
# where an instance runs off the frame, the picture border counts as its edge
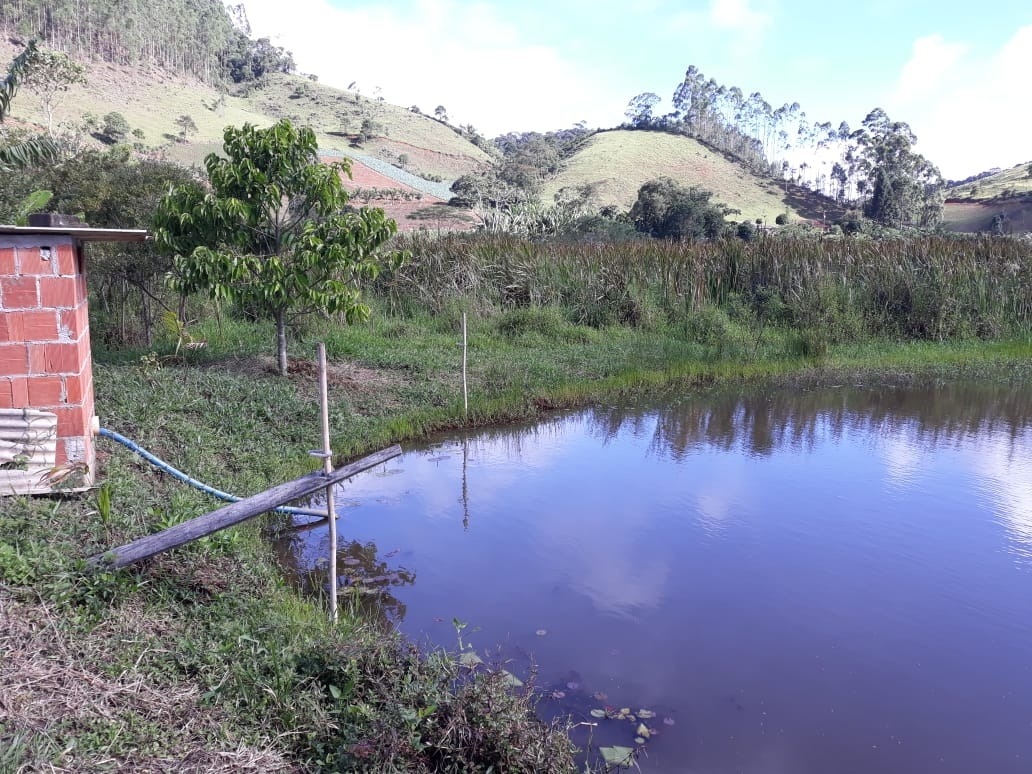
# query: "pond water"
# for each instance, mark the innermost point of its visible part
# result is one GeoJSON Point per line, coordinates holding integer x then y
{"type": "Point", "coordinates": [793, 581]}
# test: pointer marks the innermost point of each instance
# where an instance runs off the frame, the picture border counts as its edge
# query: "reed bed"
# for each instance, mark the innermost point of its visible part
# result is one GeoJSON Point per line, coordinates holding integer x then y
{"type": "Point", "coordinates": [931, 288]}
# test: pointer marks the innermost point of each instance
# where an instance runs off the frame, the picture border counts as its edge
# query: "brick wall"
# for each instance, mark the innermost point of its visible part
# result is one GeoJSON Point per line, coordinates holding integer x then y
{"type": "Point", "coordinates": [45, 339]}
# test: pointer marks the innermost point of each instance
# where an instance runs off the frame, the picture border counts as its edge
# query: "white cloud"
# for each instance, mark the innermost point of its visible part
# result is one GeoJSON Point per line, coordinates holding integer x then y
{"type": "Point", "coordinates": [464, 56]}
{"type": "Point", "coordinates": [1007, 476]}
{"type": "Point", "coordinates": [735, 18]}
{"type": "Point", "coordinates": [932, 59]}
{"type": "Point", "coordinates": [737, 15]}
{"type": "Point", "coordinates": [969, 111]}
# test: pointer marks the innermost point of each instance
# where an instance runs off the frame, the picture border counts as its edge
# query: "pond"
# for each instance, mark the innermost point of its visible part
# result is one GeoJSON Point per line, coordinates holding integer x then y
{"type": "Point", "coordinates": [792, 580]}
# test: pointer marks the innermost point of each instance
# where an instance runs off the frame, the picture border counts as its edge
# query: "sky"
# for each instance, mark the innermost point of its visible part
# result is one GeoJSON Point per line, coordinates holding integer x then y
{"type": "Point", "coordinates": [957, 72]}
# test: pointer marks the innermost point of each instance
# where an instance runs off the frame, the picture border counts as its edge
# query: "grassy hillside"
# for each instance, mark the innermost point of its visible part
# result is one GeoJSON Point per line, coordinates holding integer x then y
{"type": "Point", "coordinates": [971, 216]}
{"type": "Point", "coordinates": [981, 204]}
{"type": "Point", "coordinates": [152, 99]}
{"type": "Point", "coordinates": [430, 146]}
{"type": "Point", "coordinates": [1015, 181]}
{"type": "Point", "coordinates": [618, 162]}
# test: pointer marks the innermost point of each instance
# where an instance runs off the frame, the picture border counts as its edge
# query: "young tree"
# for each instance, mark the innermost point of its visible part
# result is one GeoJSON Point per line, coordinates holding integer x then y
{"type": "Point", "coordinates": [34, 150]}
{"type": "Point", "coordinates": [273, 232]}
{"type": "Point", "coordinates": [49, 74]}
{"type": "Point", "coordinates": [186, 125]}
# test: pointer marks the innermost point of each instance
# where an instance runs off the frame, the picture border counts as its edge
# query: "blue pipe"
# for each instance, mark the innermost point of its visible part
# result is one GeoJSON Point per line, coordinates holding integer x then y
{"type": "Point", "coordinates": [162, 465]}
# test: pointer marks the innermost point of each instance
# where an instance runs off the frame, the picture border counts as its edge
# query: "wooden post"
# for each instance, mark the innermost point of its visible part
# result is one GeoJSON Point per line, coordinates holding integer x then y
{"type": "Point", "coordinates": [465, 391]}
{"type": "Point", "coordinates": [331, 511]}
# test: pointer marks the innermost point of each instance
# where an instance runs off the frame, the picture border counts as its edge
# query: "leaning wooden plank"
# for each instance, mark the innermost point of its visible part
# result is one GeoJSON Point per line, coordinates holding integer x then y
{"type": "Point", "coordinates": [248, 508]}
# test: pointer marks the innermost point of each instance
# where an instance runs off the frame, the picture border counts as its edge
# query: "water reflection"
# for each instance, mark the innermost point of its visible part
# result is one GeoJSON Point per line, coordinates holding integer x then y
{"type": "Point", "coordinates": [365, 578]}
{"type": "Point", "coordinates": [803, 580]}
{"type": "Point", "coordinates": [796, 419]}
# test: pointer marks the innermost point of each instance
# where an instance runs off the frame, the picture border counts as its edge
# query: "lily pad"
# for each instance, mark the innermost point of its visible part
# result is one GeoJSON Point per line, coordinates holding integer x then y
{"type": "Point", "coordinates": [668, 721]}
{"type": "Point", "coordinates": [598, 713]}
{"type": "Point", "coordinates": [645, 714]}
{"type": "Point", "coordinates": [617, 755]}
{"type": "Point", "coordinates": [643, 730]}
{"type": "Point", "coordinates": [639, 740]}
{"type": "Point", "coordinates": [541, 632]}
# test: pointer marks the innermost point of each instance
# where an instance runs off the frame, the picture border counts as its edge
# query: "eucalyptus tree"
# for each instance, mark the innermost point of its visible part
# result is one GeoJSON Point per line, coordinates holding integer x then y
{"type": "Point", "coordinates": [904, 186]}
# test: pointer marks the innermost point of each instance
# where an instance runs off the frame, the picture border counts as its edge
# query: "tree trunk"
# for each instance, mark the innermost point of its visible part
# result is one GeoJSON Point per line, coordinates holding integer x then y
{"type": "Point", "coordinates": [281, 341]}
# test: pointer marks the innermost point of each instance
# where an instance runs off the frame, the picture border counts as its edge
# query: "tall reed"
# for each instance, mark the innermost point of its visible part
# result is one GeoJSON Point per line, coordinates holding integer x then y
{"type": "Point", "coordinates": [929, 288]}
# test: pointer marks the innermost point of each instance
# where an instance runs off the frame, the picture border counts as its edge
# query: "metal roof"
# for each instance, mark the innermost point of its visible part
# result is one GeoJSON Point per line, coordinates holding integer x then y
{"type": "Point", "coordinates": [83, 233]}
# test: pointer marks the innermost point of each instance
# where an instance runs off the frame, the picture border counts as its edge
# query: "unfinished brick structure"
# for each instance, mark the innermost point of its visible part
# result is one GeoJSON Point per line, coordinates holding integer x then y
{"type": "Point", "coordinates": [45, 361]}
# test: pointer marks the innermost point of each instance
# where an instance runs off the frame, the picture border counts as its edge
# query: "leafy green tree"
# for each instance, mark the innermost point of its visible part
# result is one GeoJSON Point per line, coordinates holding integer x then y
{"type": "Point", "coordinates": [49, 74]}
{"type": "Point", "coordinates": [112, 189]}
{"type": "Point", "coordinates": [665, 209]}
{"type": "Point", "coordinates": [186, 125]}
{"type": "Point", "coordinates": [116, 128]}
{"type": "Point", "coordinates": [905, 187]}
{"type": "Point", "coordinates": [245, 60]}
{"type": "Point", "coordinates": [369, 129]}
{"type": "Point", "coordinates": [273, 232]}
{"type": "Point", "coordinates": [639, 109]}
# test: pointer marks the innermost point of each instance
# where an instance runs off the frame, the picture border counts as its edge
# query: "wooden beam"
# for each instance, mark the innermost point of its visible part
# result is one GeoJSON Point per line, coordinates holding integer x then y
{"type": "Point", "coordinates": [248, 508]}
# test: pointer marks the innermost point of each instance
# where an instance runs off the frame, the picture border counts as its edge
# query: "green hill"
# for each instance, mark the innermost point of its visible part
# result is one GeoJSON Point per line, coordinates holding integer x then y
{"type": "Point", "coordinates": [1008, 183]}
{"type": "Point", "coordinates": [151, 99]}
{"type": "Point", "coordinates": [616, 164]}
{"type": "Point", "coordinates": [1001, 202]}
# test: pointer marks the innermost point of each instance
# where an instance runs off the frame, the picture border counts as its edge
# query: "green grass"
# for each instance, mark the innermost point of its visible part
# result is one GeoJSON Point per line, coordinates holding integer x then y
{"type": "Point", "coordinates": [619, 162]}
{"type": "Point", "coordinates": [204, 654]}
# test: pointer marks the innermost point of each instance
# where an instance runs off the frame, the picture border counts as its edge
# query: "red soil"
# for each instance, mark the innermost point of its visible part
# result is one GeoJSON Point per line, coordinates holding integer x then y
{"type": "Point", "coordinates": [364, 177]}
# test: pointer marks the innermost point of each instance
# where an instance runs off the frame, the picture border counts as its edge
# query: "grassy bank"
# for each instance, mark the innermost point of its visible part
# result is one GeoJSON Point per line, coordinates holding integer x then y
{"type": "Point", "coordinates": [204, 658]}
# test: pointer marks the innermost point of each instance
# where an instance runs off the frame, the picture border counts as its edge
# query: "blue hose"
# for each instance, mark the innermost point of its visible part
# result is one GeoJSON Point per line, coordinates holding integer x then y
{"type": "Point", "coordinates": [162, 465]}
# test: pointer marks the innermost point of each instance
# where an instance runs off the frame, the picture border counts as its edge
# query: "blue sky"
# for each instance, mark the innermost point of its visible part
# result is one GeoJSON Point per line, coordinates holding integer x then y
{"type": "Point", "coordinates": [957, 72]}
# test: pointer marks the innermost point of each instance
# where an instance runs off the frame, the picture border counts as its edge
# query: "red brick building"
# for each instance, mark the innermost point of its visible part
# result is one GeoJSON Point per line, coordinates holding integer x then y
{"type": "Point", "coordinates": [47, 419]}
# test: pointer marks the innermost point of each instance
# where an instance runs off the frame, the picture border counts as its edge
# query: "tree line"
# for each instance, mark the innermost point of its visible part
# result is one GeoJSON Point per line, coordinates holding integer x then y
{"type": "Point", "coordinates": [197, 37]}
{"type": "Point", "coordinates": [873, 167]}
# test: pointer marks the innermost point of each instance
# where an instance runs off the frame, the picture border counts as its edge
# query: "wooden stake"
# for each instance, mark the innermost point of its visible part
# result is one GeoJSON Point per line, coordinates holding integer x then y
{"type": "Point", "coordinates": [331, 511]}
{"type": "Point", "coordinates": [465, 391]}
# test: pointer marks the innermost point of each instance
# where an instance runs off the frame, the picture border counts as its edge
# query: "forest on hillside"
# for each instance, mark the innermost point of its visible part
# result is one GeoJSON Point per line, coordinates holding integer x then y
{"type": "Point", "coordinates": [197, 37]}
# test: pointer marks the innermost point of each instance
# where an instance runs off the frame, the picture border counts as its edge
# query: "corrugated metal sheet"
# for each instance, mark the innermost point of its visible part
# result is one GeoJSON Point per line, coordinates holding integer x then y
{"type": "Point", "coordinates": [28, 451]}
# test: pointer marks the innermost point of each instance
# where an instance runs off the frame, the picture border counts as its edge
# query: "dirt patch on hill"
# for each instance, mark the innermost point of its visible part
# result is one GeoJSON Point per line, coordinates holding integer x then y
{"type": "Point", "coordinates": [407, 204]}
